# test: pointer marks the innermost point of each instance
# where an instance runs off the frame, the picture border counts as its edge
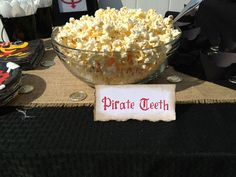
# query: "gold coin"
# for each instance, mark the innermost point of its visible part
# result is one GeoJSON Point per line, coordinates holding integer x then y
{"type": "Point", "coordinates": [215, 49]}
{"type": "Point", "coordinates": [232, 79]}
{"type": "Point", "coordinates": [26, 89]}
{"type": "Point", "coordinates": [174, 79]}
{"type": "Point", "coordinates": [78, 96]}
{"type": "Point", "coordinates": [47, 63]}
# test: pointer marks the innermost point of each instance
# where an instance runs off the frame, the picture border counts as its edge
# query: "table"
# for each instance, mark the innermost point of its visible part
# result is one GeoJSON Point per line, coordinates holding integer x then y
{"type": "Point", "coordinates": [61, 142]}
{"type": "Point", "coordinates": [54, 85]}
{"type": "Point", "coordinates": [58, 138]}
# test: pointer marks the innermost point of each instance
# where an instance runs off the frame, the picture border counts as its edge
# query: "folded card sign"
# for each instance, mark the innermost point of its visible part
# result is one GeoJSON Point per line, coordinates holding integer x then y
{"type": "Point", "coordinates": [139, 102]}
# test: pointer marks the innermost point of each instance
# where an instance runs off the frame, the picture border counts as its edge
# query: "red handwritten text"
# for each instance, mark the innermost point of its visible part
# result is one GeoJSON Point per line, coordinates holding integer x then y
{"type": "Point", "coordinates": [146, 105]}
{"type": "Point", "coordinates": [115, 104]}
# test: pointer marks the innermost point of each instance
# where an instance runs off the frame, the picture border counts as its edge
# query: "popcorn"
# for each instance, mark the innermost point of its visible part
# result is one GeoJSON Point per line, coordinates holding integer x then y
{"type": "Point", "coordinates": [123, 36]}
{"type": "Point", "coordinates": [125, 25]}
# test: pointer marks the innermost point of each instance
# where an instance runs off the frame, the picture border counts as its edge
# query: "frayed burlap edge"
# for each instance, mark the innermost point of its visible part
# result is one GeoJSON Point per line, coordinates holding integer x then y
{"type": "Point", "coordinates": [60, 105]}
{"type": "Point", "coordinates": [73, 105]}
{"type": "Point", "coordinates": [207, 101]}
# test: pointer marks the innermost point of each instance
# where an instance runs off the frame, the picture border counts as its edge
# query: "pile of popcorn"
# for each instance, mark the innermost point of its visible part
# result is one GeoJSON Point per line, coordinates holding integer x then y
{"type": "Point", "coordinates": [127, 38]}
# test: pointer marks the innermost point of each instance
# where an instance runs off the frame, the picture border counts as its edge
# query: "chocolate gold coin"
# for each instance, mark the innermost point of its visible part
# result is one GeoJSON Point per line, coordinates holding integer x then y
{"type": "Point", "coordinates": [232, 79]}
{"type": "Point", "coordinates": [78, 96]}
{"type": "Point", "coordinates": [26, 89]}
{"type": "Point", "coordinates": [47, 63]}
{"type": "Point", "coordinates": [174, 79]}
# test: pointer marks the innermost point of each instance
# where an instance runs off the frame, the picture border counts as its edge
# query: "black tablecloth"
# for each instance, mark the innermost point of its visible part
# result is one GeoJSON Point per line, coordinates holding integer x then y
{"type": "Point", "coordinates": [65, 142]}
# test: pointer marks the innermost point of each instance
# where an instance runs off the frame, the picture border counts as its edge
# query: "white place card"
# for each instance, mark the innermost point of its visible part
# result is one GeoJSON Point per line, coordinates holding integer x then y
{"type": "Point", "coordinates": [72, 6]}
{"type": "Point", "coordinates": [139, 102]}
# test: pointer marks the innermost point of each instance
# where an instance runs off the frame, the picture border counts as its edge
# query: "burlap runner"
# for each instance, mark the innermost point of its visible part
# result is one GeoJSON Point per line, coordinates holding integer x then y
{"type": "Point", "coordinates": [54, 85]}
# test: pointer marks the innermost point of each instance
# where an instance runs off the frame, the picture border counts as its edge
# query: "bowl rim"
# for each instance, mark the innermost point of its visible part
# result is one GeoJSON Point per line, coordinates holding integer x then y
{"type": "Point", "coordinates": [97, 52]}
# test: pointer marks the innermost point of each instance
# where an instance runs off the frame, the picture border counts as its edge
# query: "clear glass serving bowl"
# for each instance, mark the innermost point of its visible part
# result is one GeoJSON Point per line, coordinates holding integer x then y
{"type": "Point", "coordinates": [114, 67]}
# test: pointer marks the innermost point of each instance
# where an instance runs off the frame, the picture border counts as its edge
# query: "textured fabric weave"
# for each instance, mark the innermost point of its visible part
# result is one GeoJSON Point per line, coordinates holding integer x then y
{"type": "Point", "coordinates": [61, 142]}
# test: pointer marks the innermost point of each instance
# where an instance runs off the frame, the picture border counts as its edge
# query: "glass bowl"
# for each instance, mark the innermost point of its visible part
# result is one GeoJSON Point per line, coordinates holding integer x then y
{"type": "Point", "coordinates": [102, 68]}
